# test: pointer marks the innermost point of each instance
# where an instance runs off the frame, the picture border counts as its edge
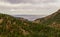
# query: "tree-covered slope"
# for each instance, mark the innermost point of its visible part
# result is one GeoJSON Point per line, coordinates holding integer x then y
{"type": "Point", "coordinates": [19, 27]}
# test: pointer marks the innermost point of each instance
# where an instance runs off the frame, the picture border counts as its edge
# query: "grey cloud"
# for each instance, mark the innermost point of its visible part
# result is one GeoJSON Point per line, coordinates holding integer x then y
{"type": "Point", "coordinates": [20, 1]}
{"type": "Point", "coordinates": [15, 1]}
{"type": "Point", "coordinates": [28, 1]}
{"type": "Point", "coordinates": [41, 8]}
{"type": "Point", "coordinates": [49, 1]}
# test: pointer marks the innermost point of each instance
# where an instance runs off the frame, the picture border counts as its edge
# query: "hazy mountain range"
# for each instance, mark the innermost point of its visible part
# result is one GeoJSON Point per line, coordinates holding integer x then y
{"type": "Point", "coordinates": [30, 17]}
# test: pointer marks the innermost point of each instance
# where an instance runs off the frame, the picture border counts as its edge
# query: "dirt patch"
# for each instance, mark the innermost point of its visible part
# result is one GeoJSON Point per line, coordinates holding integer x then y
{"type": "Point", "coordinates": [1, 20]}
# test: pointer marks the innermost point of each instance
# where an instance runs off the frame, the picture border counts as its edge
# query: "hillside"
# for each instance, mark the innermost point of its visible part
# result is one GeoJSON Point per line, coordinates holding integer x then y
{"type": "Point", "coordinates": [53, 17]}
{"type": "Point", "coordinates": [19, 27]}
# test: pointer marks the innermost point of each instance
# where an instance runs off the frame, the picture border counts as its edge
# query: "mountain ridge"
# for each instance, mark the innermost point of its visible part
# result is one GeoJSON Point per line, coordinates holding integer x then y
{"type": "Point", "coordinates": [48, 17]}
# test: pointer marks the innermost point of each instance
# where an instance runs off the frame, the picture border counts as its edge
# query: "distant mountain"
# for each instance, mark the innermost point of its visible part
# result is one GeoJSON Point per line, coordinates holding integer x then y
{"type": "Point", "coordinates": [19, 27]}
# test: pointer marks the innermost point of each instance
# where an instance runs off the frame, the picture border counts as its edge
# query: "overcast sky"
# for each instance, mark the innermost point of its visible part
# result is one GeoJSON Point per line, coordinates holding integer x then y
{"type": "Point", "coordinates": [29, 7]}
